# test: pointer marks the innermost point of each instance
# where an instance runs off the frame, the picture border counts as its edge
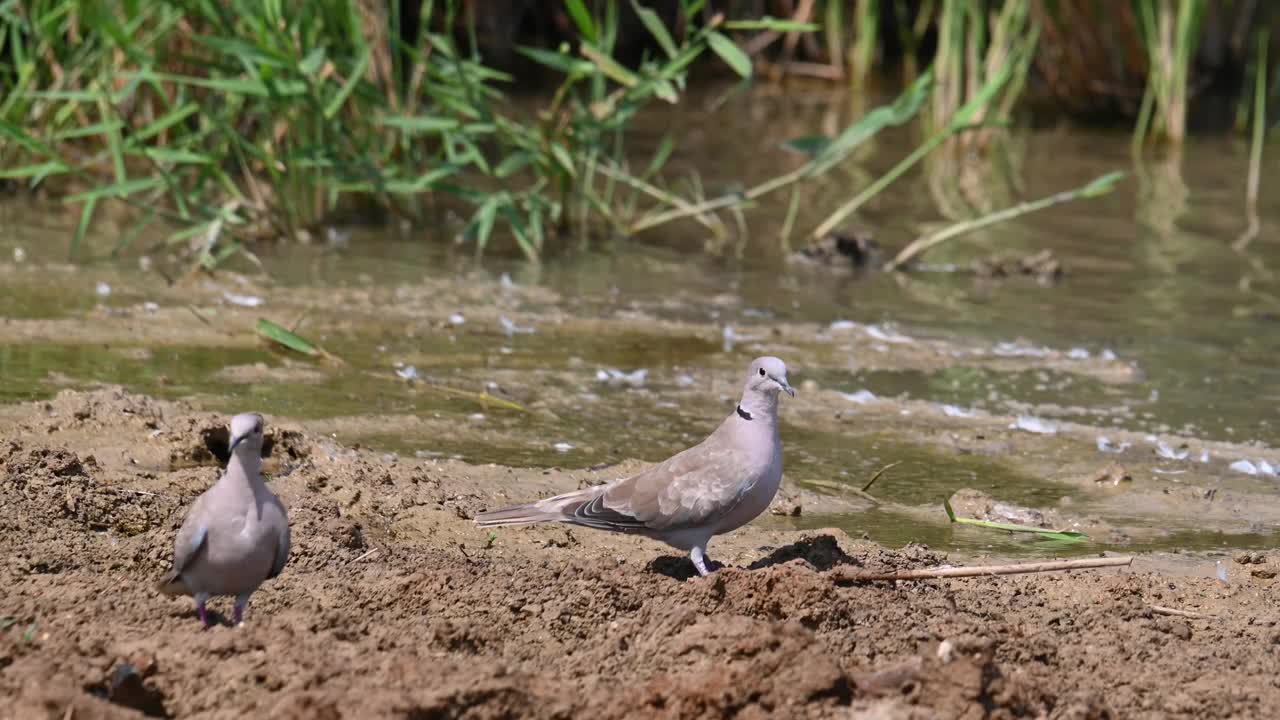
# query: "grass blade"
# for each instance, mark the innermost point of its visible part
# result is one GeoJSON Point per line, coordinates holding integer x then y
{"type": "Point", "coordinates": [730, 53]}
{"type": "Point", "coordinates": [290, 340]}
{"type": "Point", "coordinates": [1063, 535]}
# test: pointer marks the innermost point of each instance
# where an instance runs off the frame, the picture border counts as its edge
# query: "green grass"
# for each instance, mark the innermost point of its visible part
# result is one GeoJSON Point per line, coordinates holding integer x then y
{"type": "Point", "coordinates": [234, 120]}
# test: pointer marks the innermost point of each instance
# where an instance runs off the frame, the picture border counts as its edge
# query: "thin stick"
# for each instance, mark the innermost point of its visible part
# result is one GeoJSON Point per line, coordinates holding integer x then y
{"type": "Point", "coordinates": [1162, 610]}
{"type": "Point", "coordinates": [980, 571]}
{"type": "Point", "coordinates": [371, 553]}
{"type": "Point", "coordinates": [880, 472]}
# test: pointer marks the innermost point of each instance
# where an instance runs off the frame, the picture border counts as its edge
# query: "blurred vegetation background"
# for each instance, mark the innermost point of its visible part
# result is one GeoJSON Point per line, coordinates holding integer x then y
{"type": "Point", "coordinates": [218, 123]}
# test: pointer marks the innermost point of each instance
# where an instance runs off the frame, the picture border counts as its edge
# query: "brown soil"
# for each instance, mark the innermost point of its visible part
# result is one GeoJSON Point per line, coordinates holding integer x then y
{"type": "Point", "coordinates": [394, 605]}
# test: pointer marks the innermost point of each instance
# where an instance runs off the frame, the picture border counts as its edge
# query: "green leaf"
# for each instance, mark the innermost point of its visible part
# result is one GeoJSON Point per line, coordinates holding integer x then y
{"type": "Point", "coordinates": [609, 66]}
{"type": "Point", "coordinates": [902, 110]}
{"type": "Point", "coordinates": [82, 229]}
{"type": "Point", "coordinates": [656, 28]}
{"type": "Point", "coordinates": [284, 338]}
{"type": "Point", "coordinates": [414, 124]}
{"type": "Point", "coordinates": [335, 103]}
{"type": "Point", "coordinates": [771, 23]}
{"type": "Point", "coordinates": [558, 61]}
{"type": "Point", "coordinates": [39, 170]}
{"type": "Point", "coordinates": [563, 157]}
{"type": "Point", "coordinates": [1102, 185]}
{"type": "Point", "coordinates": [810, 145]}
{"type": "Point", "coordinates": [166, 121]}
{"type": "Point", "coordinates": [483, 220]}
{"type": "Point", "coordinates": [512, 163]}
{"type": "Point", "coordinates": [312, 63]}
{"type": "Point", "coordinates": [175, 156]}
{"type": "Point", "coordinates": [582, 18]}
{"type": "Point", "coordinates": [120, 189]}
{"type": "Point", "coordinates": [730, 53]}
{"type": "Point", "coordinates": [660, 156]}
{"type": "Point", "coordinates": [1064, 535]}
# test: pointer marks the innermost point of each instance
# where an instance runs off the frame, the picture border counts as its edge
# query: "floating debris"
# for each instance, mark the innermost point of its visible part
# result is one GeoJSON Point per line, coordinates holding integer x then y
{"type": "Point", "coordinates": [1204, 456]}
{"type": "Point", "coordinates": [511, 328]}
{"type": "Point", "coordinates": [843, 325]}
{"type": "Point", "coordinates": [730, 337]}
{"type": "Point", "coordinates": [408, 372]}
{"type": "Point", "coordinates": [562, 447]}
{"type": "Point", "coordinates": [953, 411]}
{"type": "Point", "coordinates": [1105, 445]}
{"type": "Point", "coordinates": [1221, 572]}
{"type": "Point", "coordinates": [862, 397]}
{"type": "Point", "coordinates": [19, 254]}
{"type": "Point", "coordinates": [243, 300]}
{"type": "Point", "coordinates": [505, 281]}
{"type": "Point", "coordinates": [1014, 349]}
{"type": "Point", "coordinates": [456, 319]}
{"type": "Point", "coordinates": [1114, 473]}
{"type": "Point", "coordinates": [684, 380]}
{"type": "Point", "coordinates": [103, 289]}
{"type": "Point", "coordinates": [335, 237]}
{"type": "Point", "coordinates": [150, 306]}
{"type": "Point", "coordinates": [1078, 354]}
{"type": "Point", "coordinates": [1033, 424]}
{"type": "Point", "coordinates": [1107, 354]}
{"type": "Point", "coordinates": [613, 376]}
{"type": "Point", "coordinates": [888, 336]}
{"type": "Point", "coordinates": [1265, 468]}
{"type": "Point", "coordinates": [1244, 466]}
{"type": "Point", "coordinates": [1168, 453]}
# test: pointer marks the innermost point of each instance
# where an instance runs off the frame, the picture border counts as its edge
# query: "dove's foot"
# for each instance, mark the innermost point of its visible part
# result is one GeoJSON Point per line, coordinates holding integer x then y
{"type": "Point", "coordinates": [703, 564]}
{"type": "Point", "coordinates": [242, 602]}
{"type": "Point", "coordinates": [201, 612]}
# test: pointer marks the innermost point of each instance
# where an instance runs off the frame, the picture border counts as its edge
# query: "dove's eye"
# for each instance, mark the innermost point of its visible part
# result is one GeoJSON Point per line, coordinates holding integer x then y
{"type": "Point", "coordinates": [761, 372]}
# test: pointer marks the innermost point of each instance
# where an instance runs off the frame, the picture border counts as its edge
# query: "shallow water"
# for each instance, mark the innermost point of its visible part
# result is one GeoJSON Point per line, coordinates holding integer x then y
{"type": "Point", "coordinates": [1151, 277]}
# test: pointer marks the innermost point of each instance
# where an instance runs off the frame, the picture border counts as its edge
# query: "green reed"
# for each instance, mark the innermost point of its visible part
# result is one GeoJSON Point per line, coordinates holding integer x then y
{"type": "Point", "coordinates": [1171, 32]}
{"type": "Point", "coordinates": [232, 120]}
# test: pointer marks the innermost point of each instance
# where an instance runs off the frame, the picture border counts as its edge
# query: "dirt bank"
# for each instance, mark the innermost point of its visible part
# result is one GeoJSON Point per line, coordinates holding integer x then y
{"type": "Point", "coordinates": [393, 605]}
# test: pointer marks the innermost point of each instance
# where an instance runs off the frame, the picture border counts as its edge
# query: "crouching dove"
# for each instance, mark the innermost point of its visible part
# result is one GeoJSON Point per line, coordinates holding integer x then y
{"type": "Point", "coordinates": [710, 489]}
{"type": "Point", "coordinates": [236, 534]}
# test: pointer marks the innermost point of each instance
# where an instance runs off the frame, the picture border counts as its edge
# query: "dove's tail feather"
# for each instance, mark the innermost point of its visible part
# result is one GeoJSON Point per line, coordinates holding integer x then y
{"type": "Point", "coordinates": [557, 509]}
{"type": "Point", "coordinates": [172, 584]}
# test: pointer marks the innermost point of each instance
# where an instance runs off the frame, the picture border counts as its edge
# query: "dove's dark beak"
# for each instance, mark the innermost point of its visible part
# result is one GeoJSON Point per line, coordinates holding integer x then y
{"type": "Point", "coordinates": [786, 387]}
{"type": "Point", "coordinates": [236, 441]}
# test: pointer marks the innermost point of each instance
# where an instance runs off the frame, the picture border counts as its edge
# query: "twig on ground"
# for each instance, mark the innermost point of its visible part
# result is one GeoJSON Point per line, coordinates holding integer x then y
{"type": "Point", "coordinates": [371, 553]}
{"type": "Point", "coordinates": [843, 575]}
{"type": "Point", "coordinates": [1175, 612]}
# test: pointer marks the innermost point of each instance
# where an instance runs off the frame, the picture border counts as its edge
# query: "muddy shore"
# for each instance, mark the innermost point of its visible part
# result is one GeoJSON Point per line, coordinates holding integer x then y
{"type": "Point", "coordinates": [394, 605]}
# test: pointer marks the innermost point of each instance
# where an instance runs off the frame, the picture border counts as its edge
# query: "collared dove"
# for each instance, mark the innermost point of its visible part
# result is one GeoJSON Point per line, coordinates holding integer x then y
{"type": "Point", "coordinates": [710, 489]}
{"type": "Point", "coordinates": [236, 534]}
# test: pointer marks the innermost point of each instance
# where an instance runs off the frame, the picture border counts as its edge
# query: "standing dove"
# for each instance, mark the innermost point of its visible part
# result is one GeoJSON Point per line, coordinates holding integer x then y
{"type": "Point", "coordinates": [712, 488]}
{"type": "Point", "coordinates": [236, 534]}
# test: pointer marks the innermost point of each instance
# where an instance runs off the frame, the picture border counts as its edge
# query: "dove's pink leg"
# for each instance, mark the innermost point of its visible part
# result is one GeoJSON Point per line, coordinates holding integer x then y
{"type": "Point", "coordinates": [701, 562]}
{"type": "Point", "coordinates": [200, 611]}
{"type": "Point", "coordinates": [242, 601]}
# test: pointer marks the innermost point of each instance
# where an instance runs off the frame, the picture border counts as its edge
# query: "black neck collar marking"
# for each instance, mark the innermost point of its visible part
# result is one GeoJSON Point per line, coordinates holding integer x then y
{"type": "Point", "coordinates": [743, 414]}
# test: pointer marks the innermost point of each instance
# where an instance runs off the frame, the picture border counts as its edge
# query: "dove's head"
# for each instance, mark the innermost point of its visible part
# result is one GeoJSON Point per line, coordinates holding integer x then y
{"type": "Point", "coordinates": [246, 434]}
{"type": "Point", "coordinates": [768, 375]}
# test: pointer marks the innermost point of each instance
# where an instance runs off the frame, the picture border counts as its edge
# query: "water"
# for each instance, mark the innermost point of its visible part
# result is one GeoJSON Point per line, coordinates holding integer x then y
{"type": "Point", "coordinates": [1151, 277]}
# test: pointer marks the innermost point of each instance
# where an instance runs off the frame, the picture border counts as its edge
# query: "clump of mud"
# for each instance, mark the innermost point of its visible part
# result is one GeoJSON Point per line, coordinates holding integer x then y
{"type": "Point", "coordinates": [394, 605]}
